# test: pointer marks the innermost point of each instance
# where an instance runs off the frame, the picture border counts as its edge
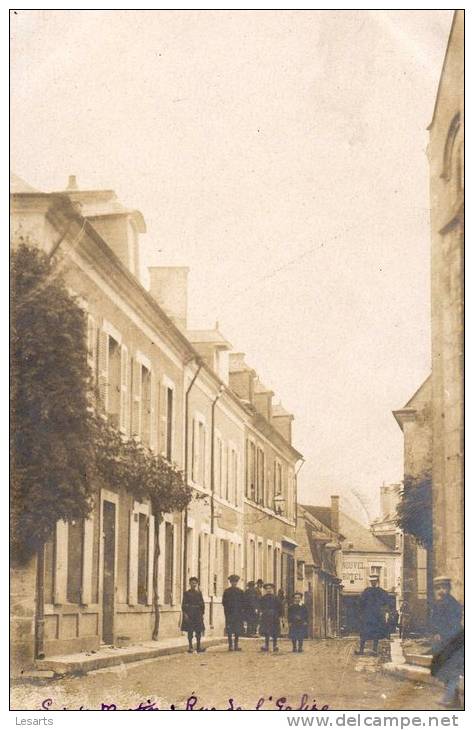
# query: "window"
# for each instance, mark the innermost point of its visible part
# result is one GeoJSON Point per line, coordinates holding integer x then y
{"type": "Point", "coordinates": [143, 566]}
{"type": "Point", "coordinates": [251, 561]}
{"type": "Point", "coordinates": [169, 423]}
{"type": "Point", "coordinates": [277, 478]}
{"type": "Point", "coordinates": [234, 485]}
{"type": "Point", "coordinates": [198, 453]}
{"type": "Point", "coordinates": [114, 381]}
{"type": "Point", "coordinates": [226, 466]}
{"type": "Point", "coordinates": [225, 562]}
{"type": "Point", "coordinates": [92, 345]}
{"type": "Point", "coordinates": [49, 567]}
{"type": "Point", "coordinates": [145, 405]}
{"type": "Point", "coordinates": [75, 548]}
{"type": "Point", "coordinates": [269, 575]}
{"type": "Point", "coordinates": [167, 420]}
{"type": "Point", "coordinates": [203, 562]}
{"type": "Point", "coordinates": [449, 146]}
{"type": "Point", "coordinates": [260, 575]}
{"type": "Point", "coordinates": [251, 470]}
{"type": "Point", "coordinates": [260, 476]}
{"type": "Point", "coordinates": [169, 562]}
{"type": "Point", "coordinates": [218, 465]}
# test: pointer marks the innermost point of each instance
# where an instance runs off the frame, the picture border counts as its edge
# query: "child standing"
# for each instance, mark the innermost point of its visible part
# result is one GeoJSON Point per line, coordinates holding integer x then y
{"type": "Point", "coordinates": [270, 612]}
{"type": "Point", "coordinates": [193, 615]}
{"type": "Point", "coordinates": [298, 621]}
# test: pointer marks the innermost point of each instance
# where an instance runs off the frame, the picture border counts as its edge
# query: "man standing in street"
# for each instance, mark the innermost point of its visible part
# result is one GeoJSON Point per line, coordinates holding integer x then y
{"type": "Point", "coordinates": [372, 607]}
{"type": "Point", "coordinates": [193, 615]}
{"type": "Point", "coordinates": [233, 603]}
{"type": "Point", "coordinates": [448, 640]}
{"type": "Point", "coordinates": [251, 609]}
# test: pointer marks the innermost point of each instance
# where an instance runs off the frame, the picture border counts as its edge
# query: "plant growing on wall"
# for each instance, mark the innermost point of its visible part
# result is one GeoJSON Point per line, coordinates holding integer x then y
{"type": "Point", "coordinates": [414, 511]}
{"type": "Point", "coordinates": [125, 463]}
{"type": "Point", "coordinates": [52, 442]}
{"type": "Point", "coordinates": [62, 448]}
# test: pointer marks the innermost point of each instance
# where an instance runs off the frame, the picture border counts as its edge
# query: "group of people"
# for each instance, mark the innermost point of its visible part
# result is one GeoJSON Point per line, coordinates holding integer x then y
{"type": "Point", "coordinates": [257, 608]}
{"type": "Point", "coordinates": [445, 627]}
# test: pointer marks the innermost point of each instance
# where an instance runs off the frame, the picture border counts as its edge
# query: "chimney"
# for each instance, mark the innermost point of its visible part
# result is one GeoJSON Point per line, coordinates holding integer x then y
{"type": "Point", "coordinates": [335, 513]}
{"type": "Point", "coordinates": [169, 287]}
{"type": "Point", "coordinates": [72, 183]}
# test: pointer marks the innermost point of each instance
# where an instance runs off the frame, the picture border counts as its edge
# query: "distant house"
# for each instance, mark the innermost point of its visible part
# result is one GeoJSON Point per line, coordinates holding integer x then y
{"type": "Point", "coordinates": [318, 556]}
{"type": "Point", "coordinates": [362, 554]}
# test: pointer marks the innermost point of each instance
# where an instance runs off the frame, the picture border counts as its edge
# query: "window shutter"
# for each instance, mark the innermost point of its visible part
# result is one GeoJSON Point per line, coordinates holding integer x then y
{"type": "Point", "coordinates": [195, 450]}
{"type": "Point", "coordinates": [136, 397]}
{"type": "Point", "coordinates": [206, 467]}
{"type": "Point", "coordinates": [151, 549]}
{"type": "Point", "coordinates": [153, 423]}
{"type": "Point", "coordinates": [86, 589]}
{"type": "Point", "coordinates": [103, 368]}
{"type": "Point", "coordinates": [60, 578]}
{"type": "Point", "coordinates": [124, 391]}
{"type": "Point", "coordinates": [92, 345]}
{"type": "Point", "coordinates": [163, 418]}
{"type": "Point", "coordinates": [212, 563]}
{"type": "Point", "coordinates": [133, 560]}
{"type": "Point", "coordinates": [161, 563]}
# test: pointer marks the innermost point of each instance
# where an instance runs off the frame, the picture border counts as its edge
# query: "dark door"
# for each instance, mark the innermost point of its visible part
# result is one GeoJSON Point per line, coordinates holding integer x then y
{"type": "Point", "coordinates": [108, 589]}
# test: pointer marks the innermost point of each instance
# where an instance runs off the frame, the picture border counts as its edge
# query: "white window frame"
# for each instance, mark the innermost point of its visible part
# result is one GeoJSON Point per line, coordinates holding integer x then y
{"type": "Point", "coordinates": [169, 384]}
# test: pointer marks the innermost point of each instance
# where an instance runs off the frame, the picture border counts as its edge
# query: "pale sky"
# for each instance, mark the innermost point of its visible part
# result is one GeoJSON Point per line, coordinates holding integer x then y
{"type": "Point", "coordinates": [281, 155]}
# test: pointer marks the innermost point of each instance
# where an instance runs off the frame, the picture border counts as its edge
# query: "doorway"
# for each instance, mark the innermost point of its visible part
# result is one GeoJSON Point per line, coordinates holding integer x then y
{"type": "Point", "coordinates": [108, 582]}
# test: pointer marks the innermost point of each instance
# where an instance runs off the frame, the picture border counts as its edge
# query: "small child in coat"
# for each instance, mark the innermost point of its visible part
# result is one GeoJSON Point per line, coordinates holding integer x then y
{"type": "Point", "coordinates": [298, 622]}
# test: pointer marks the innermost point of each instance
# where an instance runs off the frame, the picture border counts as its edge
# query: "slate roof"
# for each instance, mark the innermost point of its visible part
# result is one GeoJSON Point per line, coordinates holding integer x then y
{"type": "Point", "coordinates": [359, 537]}
{"type": "Point", "coordinates": [355, 534]}
{"type": "Point", "coordinates": [212, 337]}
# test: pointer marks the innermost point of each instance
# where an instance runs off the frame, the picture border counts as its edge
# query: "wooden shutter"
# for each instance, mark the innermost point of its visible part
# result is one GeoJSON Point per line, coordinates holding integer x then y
{"type": "Point", "coordinates": [163, 418]}
{"type": "Point", "coordinates": [151, 549]}
{"type": "Point", "coordinates": [212, 563]}
{"type": "Point", "coordinates": [136, 397]}
{"type": "Point", "coordinates": [86, 588]}
{"type": "Point", "coordinates": [195, 450]}
{"type": "Point", "coordinates": [92, 345]}
{"type": "Point", "coordinates": [161, 562]}
{"type": "Point", "coordinates": [60, 572]}
{"type": "Point", "coordinates": [206, 467]}
{"type": "Point", "coordinates": [103, 368]}
{"type": "Point", "coordinates": [153, 423]}
{"type": "Point", "coordinates": [124, 391]}
{"type": "Point", "coordinates": [133, 560]}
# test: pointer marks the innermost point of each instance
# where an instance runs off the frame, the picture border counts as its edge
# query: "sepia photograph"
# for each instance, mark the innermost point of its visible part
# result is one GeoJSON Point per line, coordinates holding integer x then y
{"type": "Point", "coordinates": [237, 361]}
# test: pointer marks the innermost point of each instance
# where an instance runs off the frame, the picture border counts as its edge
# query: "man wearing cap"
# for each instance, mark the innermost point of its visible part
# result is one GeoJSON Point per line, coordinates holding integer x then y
{"type": "Point", "coordinates": [372, 606]}
{"type": "Point", "coordinates": [251, 608]}
{"type": "Point", "coordinates": [270, 612]}
{"type": "Point", "coordinates": [193, 615]}
{"type": "Point", "coordinates": [233, 603]}
{"type": "Point", "coordinates": [448, 639]}
{"type": "Point", "coordinates": [298, 621]}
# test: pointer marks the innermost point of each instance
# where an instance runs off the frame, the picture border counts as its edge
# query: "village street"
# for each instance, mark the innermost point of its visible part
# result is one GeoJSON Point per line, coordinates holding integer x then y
{"type": "Point", "coordinates": [327, 672]}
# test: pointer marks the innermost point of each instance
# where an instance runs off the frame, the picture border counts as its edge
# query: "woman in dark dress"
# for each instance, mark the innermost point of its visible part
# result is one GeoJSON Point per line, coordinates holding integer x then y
{"type": "Point", "coordinates": [193, 615]}
{"type": "Point", "coordinates": [270, 612]}
{"type": "Point", "coordinates": [298, 621]}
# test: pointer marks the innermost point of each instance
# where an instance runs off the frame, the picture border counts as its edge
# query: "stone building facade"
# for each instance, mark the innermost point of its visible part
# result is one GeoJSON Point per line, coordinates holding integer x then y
{"type": "Point", "coordinates": [415, 420]}
{"type": "Point", "coordinates": [364, 554]}
{"type": "Point", "coordinates": [446, 158]}
{"type": "Point", "coordinates": [318, 571]}
{"type": "Point", "coordinates": [270, 482]}
{"type": "Point", "coordinates": [175, 391]}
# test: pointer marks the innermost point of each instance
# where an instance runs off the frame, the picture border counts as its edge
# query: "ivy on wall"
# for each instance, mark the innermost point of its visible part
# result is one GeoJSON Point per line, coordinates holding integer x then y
{"type": "Point", "coordinates": [415, 509]}
{"type": "Point", "coordinates": [61, 448]}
